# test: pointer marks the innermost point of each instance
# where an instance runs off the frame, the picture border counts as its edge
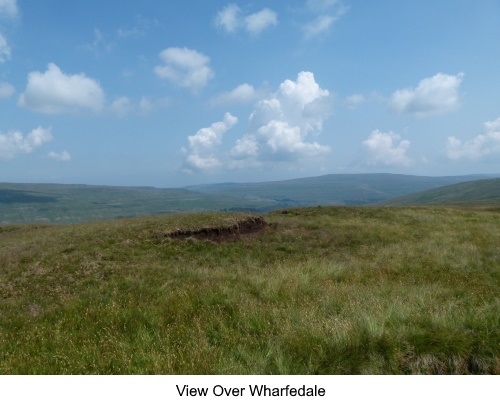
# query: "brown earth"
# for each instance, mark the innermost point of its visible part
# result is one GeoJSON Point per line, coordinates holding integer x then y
{"type": "Point", "coordinates": [248, 226]}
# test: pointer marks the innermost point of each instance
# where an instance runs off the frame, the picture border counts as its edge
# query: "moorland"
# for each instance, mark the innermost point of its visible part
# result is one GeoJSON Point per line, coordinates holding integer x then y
{"type": "Point", "coordinates": [62, 203]}
{"type": "Point", "coordinates": [318, 290]}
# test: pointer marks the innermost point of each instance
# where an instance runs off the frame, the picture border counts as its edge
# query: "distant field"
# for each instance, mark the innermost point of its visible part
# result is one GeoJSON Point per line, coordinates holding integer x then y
{"type": "Point", "coordinates": [331, 290]}
{"type": "Point", "coordinates": [59, 203]}
{"type": "Point", "coordinates": [472, 193]}
{"type": "Point", "coordinates": [54, 203]}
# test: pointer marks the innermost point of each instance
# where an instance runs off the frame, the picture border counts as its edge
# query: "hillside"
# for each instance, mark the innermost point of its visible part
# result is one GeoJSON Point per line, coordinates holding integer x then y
{"type": "Point", "coordinates": [479, 192]}
{"type": "Point", "coordinates": [59, 203]}
{"type": "Point", "coordinates": [332, 189]}
{"type": "Point", "coordinates": [327, 290]}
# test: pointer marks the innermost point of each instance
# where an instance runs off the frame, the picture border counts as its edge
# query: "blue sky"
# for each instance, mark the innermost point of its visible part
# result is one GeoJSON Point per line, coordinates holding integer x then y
{"type": "Point", "coordinates": [164, 93]}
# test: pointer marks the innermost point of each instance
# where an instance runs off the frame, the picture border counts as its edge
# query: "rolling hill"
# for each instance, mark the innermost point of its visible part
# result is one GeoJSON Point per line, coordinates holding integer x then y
{"type": "Point", "coordinates": [59, 203]}
{"type": "Point", "coordinates": [480, 192]}
{"type": "Point", "coordinates": [333, 189]}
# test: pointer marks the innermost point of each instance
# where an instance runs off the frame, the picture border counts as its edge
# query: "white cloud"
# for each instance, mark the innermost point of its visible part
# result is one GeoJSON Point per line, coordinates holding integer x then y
{"type": "Point", "coordinates": [147, 105]}
{"type": "Point", "coordinates": [383, 149]}
{"type": "Point", "coordinates": [327, 13]}
{"type": "Point", "coordinates": [6, 90]}
{"type": "Point", "coordinates": [280, 124]}
{"type": "Point", "coordinates": [55, 92]}
{"type": "Point", "coordinates": [319, 26]}
{"type": "Point", "coordinates": [242, 94]}
{"type": "Point", "coordinates": [63, 156]}
{"type": "Point", "coordinates": [355, 100]}
{"type": "Point", "coordinates": [434, 95]}
{"type": "Point", "coordinates": [185, 67]}
{"type": "Point", "coordinates": [121, 106]}
{"type": "Point", "coordinates": [258, 22]}
{"type": "Point", "coordinates": [200, 154]}
{"type": "Point", "coordinates": [124, 106]}
{"type": "Point", "coordinates": [99, 45]}
{"type": "Point", "coordinates": [141, 26]}
{"type": "Point", "coordinates": [321, 5]}
{"type": "Point", "coordinates": [287, 140]}
{"type": "Point", "coordinates": [230, 19]}
{"type": "Point", "coordinates": [8, 8]}
{"type": "Point", "coordinates": [4, 49]}
{"type": "Point", "coordinates": [14, 142]}
{"type": "Point", "coordinates": [129, 33]}
{"type": "Point", "coordinates": [480, 147]}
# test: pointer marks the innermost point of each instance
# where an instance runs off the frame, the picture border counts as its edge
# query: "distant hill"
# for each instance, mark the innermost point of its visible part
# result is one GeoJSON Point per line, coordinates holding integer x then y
{"type": "Point", "coordinates": [59, 203]}
{"type": "Point", "coordinates": [332, 189]}
{"type": "Point", "coordinates": [479, 192]}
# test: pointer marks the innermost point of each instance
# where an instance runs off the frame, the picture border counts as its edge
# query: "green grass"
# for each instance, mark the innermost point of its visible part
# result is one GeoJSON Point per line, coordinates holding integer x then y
{"type": "Point", "coordinates": [471, 193]}
{"type": "Point", "coordinates": [330, 290]}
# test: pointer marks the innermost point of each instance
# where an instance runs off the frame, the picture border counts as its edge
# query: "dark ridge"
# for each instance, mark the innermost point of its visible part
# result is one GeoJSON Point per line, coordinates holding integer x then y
{"type": "Point", "coordinates": [247, 226]}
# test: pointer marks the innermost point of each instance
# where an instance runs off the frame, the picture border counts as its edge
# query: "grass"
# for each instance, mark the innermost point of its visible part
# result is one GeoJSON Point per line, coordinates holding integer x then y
{"type": "Point", "coordinates": [332, 290]}
{"type": "Point", "coordinates": [471, 193]}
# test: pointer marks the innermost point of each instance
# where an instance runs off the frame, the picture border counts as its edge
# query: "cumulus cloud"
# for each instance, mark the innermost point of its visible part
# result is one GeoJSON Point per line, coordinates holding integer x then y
{"type": "Point", "coordinates": [14, 142]}
{"type": "Point", "coordinates": [6, 90]}
{"type": "Point", "coordinates": [185, 67]}
{"type": "Point", "coordinates": [54, 92]}
{"type": "Point", "coordinates": [280, 124]}
{"type": "Point", "coordinates": [434, 95]}
{"type": "Point", "coordinates": [383, 149]}
{"type": "Point", "coordinates": [242, 94]}
{"type": "Point", "coordinates": [63, 156]}
{"type": "Point", "coordinates": [480, 147]}
{"type": "Point", "coordinates": [8, 8]}
{"type": "Point", "coordinates": [5, 51]}
{"type": "Point", "coordinates": [200, 154]}
{"type": "Point", "coordinates": [230, 20]}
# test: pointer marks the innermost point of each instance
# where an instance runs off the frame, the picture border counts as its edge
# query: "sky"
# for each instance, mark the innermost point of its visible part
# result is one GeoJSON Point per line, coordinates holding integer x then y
{"type": "Point", "coordinates": [175, 93]}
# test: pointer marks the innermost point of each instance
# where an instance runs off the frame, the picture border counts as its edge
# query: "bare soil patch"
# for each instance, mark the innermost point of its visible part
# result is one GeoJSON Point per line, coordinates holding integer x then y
{"type": "Point", "coordinates": [248, 226]}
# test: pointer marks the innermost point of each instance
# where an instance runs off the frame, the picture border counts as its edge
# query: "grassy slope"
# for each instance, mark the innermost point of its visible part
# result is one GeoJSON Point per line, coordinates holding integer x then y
{"type": "Point", "coordinates": [479, 192]}
{"type": "Point", "coordinates": [324, 290]}
{"type": "Point", "coordinates": [333, 189]}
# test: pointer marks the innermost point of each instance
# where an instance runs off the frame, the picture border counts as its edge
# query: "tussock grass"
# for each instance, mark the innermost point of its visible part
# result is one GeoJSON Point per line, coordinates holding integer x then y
{"type": "Point", "coordinates": [330, 290]}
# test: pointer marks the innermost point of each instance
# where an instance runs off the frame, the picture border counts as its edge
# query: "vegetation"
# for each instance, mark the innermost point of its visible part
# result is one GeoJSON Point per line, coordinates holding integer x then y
{"type": "Point", "coordinates": [322, 290]}
{"type": "Point", "coordinates": [479, 193]}
{"type": "Point", "coordinates": [333, 189]}
{"type": "Point", "coordinates": [57, 203]}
